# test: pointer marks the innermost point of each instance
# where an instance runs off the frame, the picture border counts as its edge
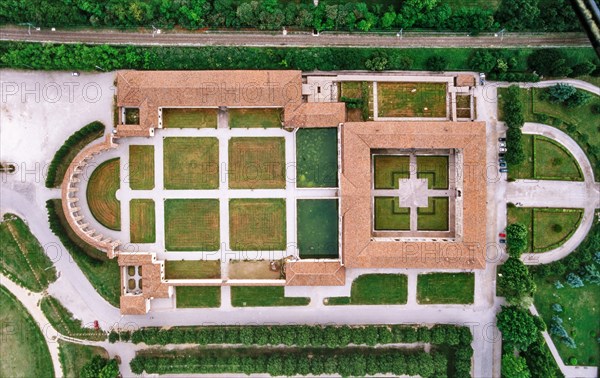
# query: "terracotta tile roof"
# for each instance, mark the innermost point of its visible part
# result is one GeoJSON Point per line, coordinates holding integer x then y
{"type": "Point", "coordinates": [360, 250]}
{"type": "Point", "coordinates": [315, 273]}
{"type": "Point", "coordinates": [315, 114]}
{"type": "Point", "coordinates": [465, 81]}
{"type": "Point", "coordinates": [133, 305]}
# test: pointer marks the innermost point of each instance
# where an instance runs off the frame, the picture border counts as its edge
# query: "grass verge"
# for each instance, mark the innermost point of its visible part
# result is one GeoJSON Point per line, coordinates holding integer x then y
{"type": "Point", "coordinates": [198, 296]}
{"type": "Point", "coordinates": [375, 289]}
{"type": "Point", "coordinates": [263, 296]}
{"type": "Point", "coordinates": [63, 321]}
{"type": "Point", "coordinates": [446, 288]}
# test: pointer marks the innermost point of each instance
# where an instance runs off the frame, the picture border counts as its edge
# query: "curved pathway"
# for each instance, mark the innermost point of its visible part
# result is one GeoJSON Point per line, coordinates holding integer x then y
{"type": "Point", "coordinates": [579, 84]}
{"type": "Point", "coordinates": [547, 193]}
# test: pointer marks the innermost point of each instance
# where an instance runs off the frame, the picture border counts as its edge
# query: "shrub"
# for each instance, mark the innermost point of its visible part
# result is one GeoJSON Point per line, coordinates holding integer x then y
{"type": "Point", "coordinates": [516, 239]}
{"type": "Point", "coordinates": [579, 98]}
{"type": "Point", "coordinates": [549, 62]}
{"type": "Point", "coordinates": [557, 228]}
{"type": "Point", "coordinates": [574, 280]}
{"type": "Point", "coordinates": [113, 337]}
{"type": "Point", "coordinates": [437, 63]}
{"type": "Point", "coordinates": [514, 367]}
{"type": "Point", "coordinates": [515, 281]}
{"type": "Point", "coordinates": [557, 307]}
{"type": "Point", "coordinates": [518, 327]}
{"type": "Point", "coordinates": [572, 361]}
{"type": "Point", "coordinates": [377, 62]}
{"type": "Point", "coordinates": [559, 93]}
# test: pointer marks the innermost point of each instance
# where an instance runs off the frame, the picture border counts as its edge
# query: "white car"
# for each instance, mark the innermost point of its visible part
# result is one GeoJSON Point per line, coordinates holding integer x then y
{"type": "Point", "coordinates": [502, 144]}
{"type": "Point", "coordinates": [502, 149]}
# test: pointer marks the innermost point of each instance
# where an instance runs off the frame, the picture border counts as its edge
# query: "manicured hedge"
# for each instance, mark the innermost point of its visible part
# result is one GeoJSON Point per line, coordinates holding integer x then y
{"type": "Point", "coordinates": [514, 119]}
{"type": "Point", "coordinates": [65, 154]}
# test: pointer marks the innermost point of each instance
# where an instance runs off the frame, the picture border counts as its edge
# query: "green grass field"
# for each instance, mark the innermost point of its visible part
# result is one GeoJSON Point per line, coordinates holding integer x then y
{"type": "Point", "coordinates": [316, 158]}
{"type": "Point", "coordinates": [389, 169]}
{"type": "Point", "coordinates": [257, 163]}
{"type": "Point", "coordinates": [436, 216]}
{"type": "Point", "coordinates": [197, 118]}
{"type": "Point", "coordinates": [317, 222]}
{"type": "Point", "coordinates": [434, 169]}
{"type": "Point", "coordinates": [255, 117]}
{"type": "Point", "coordinates": [375, 289]}
{"type": "Point", "coordinates": [141, 167]}
{"type": "Point", "coordinates": [263, 296]}
{"type": "Point", "coordinates": [192, 224]}
{"type": "Point", "coordinates": [23, 258]}
{"type": "Point", "coordinates": [191, 163]}
{"type": "Point", "coordinates": [142, 224]}
{"type": "Point", "coordinates": [63, 321]}
{"type": "Point", "coordinates": [192, 269]}
{"type": "Point", "coordinates": [389, 216]}
{"type": "Point", "coordinates": [411, 99]}
{"type": "Point", "coordinates": [446, 288]}
{"type": "Point", "coordinates": [101, 194]}
{"type": "Point", "coordinates": [257, 224]}
{"type": "Point", "coordinates": [23, 348]}
{"type": "Point", "coordinates": [198, 296]}
{"type": "Point", "coordinates": [543, 234]}
{"type": "Point", "coordinates": [74, 356]}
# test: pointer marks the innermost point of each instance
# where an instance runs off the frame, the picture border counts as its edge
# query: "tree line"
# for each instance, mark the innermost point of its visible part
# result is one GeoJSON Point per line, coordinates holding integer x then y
{"type": "Point", "coordinates": [552, 15]}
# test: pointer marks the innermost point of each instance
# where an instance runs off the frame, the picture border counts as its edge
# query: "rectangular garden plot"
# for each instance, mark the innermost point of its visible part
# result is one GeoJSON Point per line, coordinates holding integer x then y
{"type": "Point", "coordinates": [411, 100]}
{"type": "Point", "coordinates": [141, 167]}
{"type": "Point", "coordinates": [197, 118]}
{"type": "Point", "coordinates": [389, 170]}
{"type": "Point", "coordinates": [191, 163]}
{"type": "Point", "coordinates": [434, 169]}
{"type": "Point", "coordinates": [257, 163]}
{"type": "Point", "coordinates": [435, 217]}
{"type": "Point", "coordinates": [192, 269]}
{"type": "Point", "coordinates": [318, 228]}
{"type": "Point", "coordinates": [142, 225]}
{"type": "Point", "coordinates": [257, 224]}
{"type": "Point", "coordinates": [263, 296]}
{"type": "Point", "coordinates": [446, 288]}
{"type": "Point", "coordinates": [316, 158]}
{"type": "Point", "coordinates": [198, 296]}
{"type": "Point", "coordinates": [390, 216]}
{"type": "Point", "coordinates": [255, 270]}
{"type": "Point", "coordinates": [192, 224]}
{"type": "Point", "coordinates": [254, 117]}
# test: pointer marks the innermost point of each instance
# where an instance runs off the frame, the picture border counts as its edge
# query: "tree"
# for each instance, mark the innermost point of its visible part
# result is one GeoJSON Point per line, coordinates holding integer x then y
{"type": "Point", "coordinates": [377, 62]}
{"type": "Point", "coordinates": [539, 360]}
{"type": "Point", "coordinates": [518, 14]}
{"type": "Point", "coordinates": [584, 68]}
{"type": "Point", "coordinates": [514, 367]}
{"type": "Point", "coordinates": [549, 62]}
{"type": "Point", "coordinates": [515, 280]}
{"type": "Point", "coordinates": [579, 98]}
{"type": "Point", "coordinates": [574, 280]}
{"type": "Point", "coordinates": [516, 239]}
{"type": "Point", "coordinates": [518, 327]}
{"type": "Point", "coordinates": [113, 337]}
{"type": "Point", "coordinates": [437, 63]}
{"type": "Point", "coordinates": [590, 274]}
{"type": "Point", "coordinates": [559, 93]}
{"type": "Point", "coordinates": [483, 60]}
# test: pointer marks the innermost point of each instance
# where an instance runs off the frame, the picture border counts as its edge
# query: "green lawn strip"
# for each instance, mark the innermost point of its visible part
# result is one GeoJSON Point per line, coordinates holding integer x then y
{"type": "Point", "coordinates": [446, 288]}
{"type": "Point", "coordinates": [101, 194]}
{"type": "Point", "coordinates": [351, 89]}
{"type": "Point", "coordinates": [191, 163]}
{"type": "Point", "coordinates": [63, 321]}
{"type": "Point", "coordinates": [317, 222]}
{"type": "Point", "coordinates": [23, 258]}
{"type": "Point", "coordinates": [141, 167]}
{"type": "Point", "coordinates": [192, 269]}
{"type": "Point", "coordinates": [257, 224]}
{"type": "Point", "coordinates": [523, 215]}
{"type": "Point", "coordinates": [435, 169]}
{"type": "Point", "coordinates": [198, 296]}
{"type": "Point", "coordinates": [254, 117]}
{"type": "Point", "coordinates": [197, 118]}
{"type": "Point", "coordinates": [316, 158]}
{"type": "Point", "coordinates": [554, 162]}
{"type": "Point", "coordinates": [374, 289]}
{"type": "Point", "coordinates": [389, 216]}
{"type": "Point", "coordinates": [24, 350]}
{"type": "Point", "coordinates": [257, 163]}
{"type": "Point", "coordinates": [192, 224]}
{"type": "Point", "coordinates": [263, 296]}
{"type": "Point", "coordinates": [74, 356]}
{"type": "Point", "coordinates": [435, 217]}
{"type": "Point", "coordinates": [580, 317]}
{"type": "Point", "coordinates": [389, 169]}
{"type": "Point", "coordinates": [142, 228]}
{"type": "Point", "coordinates": [525, 169]}
{"type": "Point", "coordinates": [411, 99]}
{"type": "Point", "coordinates": [553, 227]}
{"type": "Point", "coordinates": [102, 272]}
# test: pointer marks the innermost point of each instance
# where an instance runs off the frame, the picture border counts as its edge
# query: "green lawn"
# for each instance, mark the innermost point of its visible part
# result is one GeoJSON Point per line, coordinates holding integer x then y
{"type": "Point", "coordinates": [142, 227]}
{"type": "Point", "coordinates": [581, 311]}
{"type": "Point", "coordinates": [191, 163]}
{"type": "Point", "coordinates": [192, 269]}
{"type": "Point", "coordinates": [102, 272]}
{"type": "Point", "coordinates": [63, 321]}
{"type": "Point", "coordinates": [263, 296]}
{"type": "Point", "coordinates": [318, 228]}
{"type": "Point", "coordinates": [435, 217]}
{"type": "Point", "coordinates": [411, 99]}
{"type": "Point", "coordinates": [523, 215]}
{"type": "Point", "coordinates": [197, 118]}
{"type": "Point", "coordinates": [141, 167]}
{"type": "Point", "coordinates": [375, 289]}
{"type": "Point", "coordinates": [257, 163]}
{"type": "Point", "coordinates": [257, 224]}
{"type": "Point", "coordinates": [525, 169]}
{"type": "Point", "coordinates": [434, 169]}
{"type": "Point", "coordinates": [192, 224]}
{"type": "Point", "coordinates": [23, 258]}
{"type": "Point", "coordinates": [389, 216]}
{"type": "Point", "coordinates": [255, 117]}
{"type": "Point", "coordinates": [198, 296]}
{"type": "Point", "coordinates": [316, 158]}
{"type": "Point", "coordinates": [446, 288]}
{"type": "Point", "coordinates": [23, 348]}
{"type": "Point", "coordinates": [101, 194]}
{"type": "Point", "coordinates": [389, 169]}
{"type": "Point", "coordinates": [74, 356]}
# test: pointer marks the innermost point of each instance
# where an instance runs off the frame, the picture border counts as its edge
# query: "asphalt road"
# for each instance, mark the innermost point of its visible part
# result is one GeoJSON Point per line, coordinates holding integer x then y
{"type": "Point", "coordinates": [409, 39]}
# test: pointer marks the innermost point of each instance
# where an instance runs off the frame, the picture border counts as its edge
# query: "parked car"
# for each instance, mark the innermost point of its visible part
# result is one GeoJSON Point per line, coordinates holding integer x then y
{"type": "Point", "coordinates": [502, 241]}
{"type": "Point", "coordinates": [502, 165]}
{"type": "Point", "coordinates": [501, 160]}
{"type": "Point", "coordinates": [503, 170]}
{"type": "Point", "coordinates": [502, 149]}
{"type": "Point", "coordinates": [501, 139]}
{"type": "Point", "coordinates": [502, 144]}
{"type": "Point", "coordinates": [75, 73]}
{"type": "Point", "coordinates": [481, 78]}
{"type": "Point", "coordinates": [96, 325]}
{"type": "Point", "coordinates": [501, 155]}
{"type": "Point", "coordinates": [502, 235]}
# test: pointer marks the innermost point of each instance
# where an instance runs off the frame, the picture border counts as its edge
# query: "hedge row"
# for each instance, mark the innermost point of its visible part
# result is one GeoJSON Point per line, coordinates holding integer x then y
{"type": "Point", "coordinates": [301, 335]}
{"type": "Point", "coordinates": [514, 119]}
{"type": "Point", "coordinates": [65, 154]}
{"type": "Point", "coordinates": [349, 362]}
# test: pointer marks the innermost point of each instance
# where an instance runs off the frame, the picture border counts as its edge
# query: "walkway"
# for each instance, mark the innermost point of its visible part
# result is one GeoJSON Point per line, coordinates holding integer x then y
{"type": "Point", "coordinates": [547, 193]}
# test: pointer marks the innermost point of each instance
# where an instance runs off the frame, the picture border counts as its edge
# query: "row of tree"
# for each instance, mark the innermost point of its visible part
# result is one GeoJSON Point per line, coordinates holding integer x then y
{"type": "Point", "coordinates": [554, 15]}
{"type": "Point", "coordinates": [301, 335]}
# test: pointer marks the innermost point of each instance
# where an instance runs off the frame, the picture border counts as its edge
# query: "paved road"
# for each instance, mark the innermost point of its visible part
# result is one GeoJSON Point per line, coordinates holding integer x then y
{"type": "Point", "coordinates": [411, 39]}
